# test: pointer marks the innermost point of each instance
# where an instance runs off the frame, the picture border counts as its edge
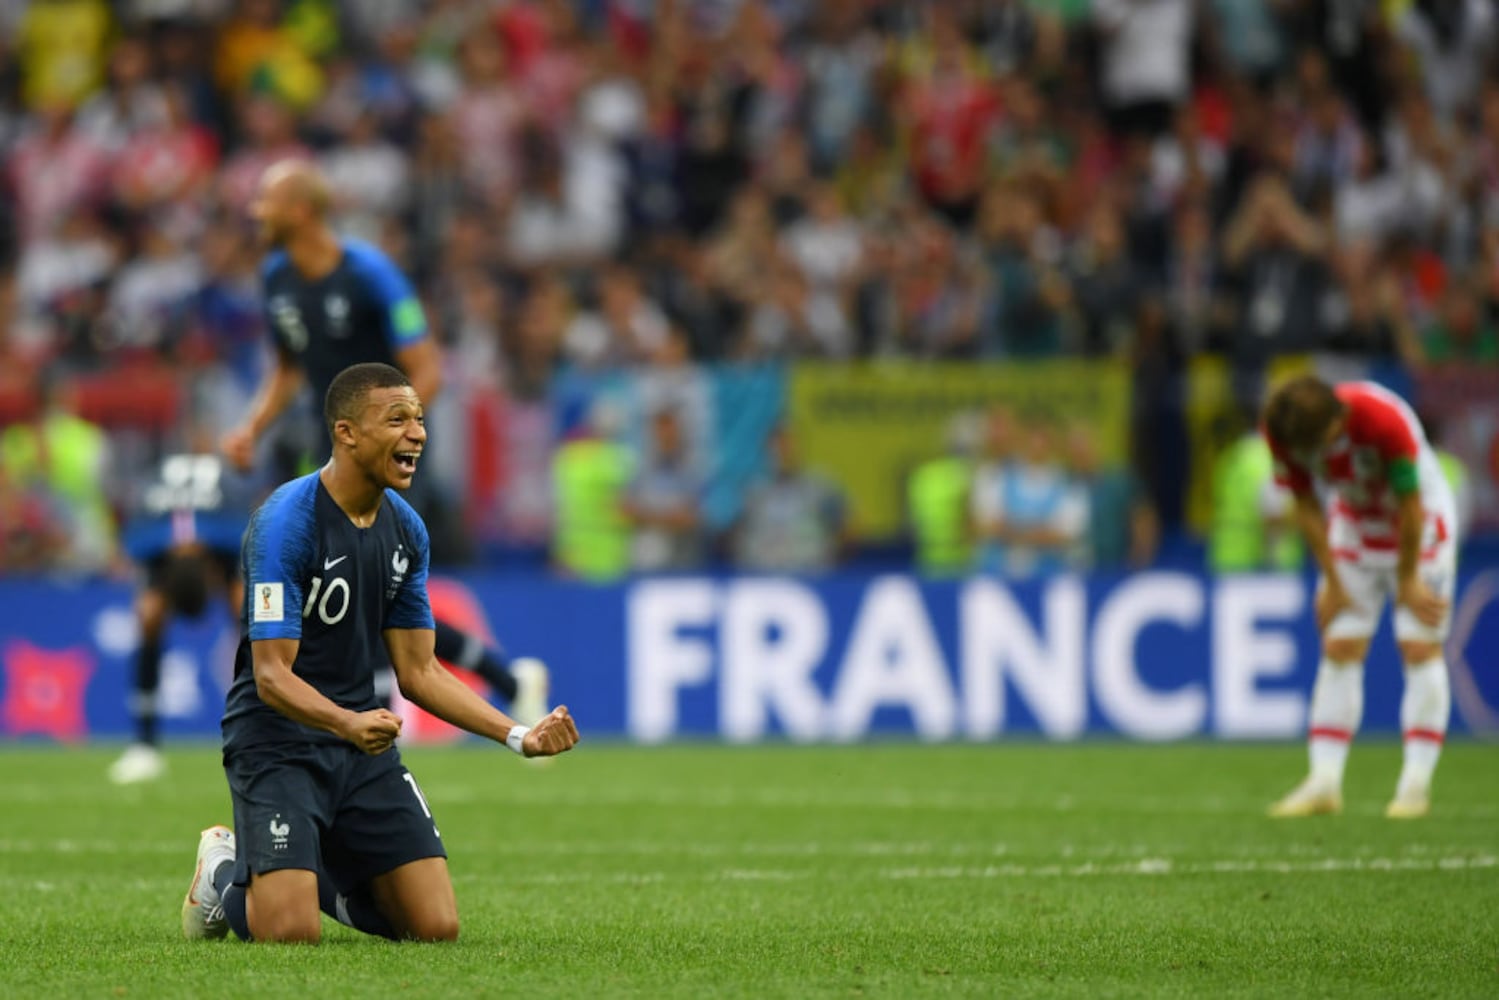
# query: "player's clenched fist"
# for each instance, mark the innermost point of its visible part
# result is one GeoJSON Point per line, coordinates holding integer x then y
{"type": "Point", "coordinates": [552, 735]}
{"type": "Point", "coordinates": [374, 731]}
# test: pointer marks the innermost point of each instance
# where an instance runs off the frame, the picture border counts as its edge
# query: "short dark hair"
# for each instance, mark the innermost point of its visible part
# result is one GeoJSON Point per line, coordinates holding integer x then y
{"type": "Point", "coordinates": [349, 387]}
{"type": "Point", "coordinates": [1299, 412]}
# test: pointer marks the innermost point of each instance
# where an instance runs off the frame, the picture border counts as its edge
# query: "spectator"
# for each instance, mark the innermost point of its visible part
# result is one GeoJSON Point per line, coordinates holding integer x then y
{"type": "Point", "coordinates": [591, 473]}
{"type": "Point", "coordinates": [826, 245]}
{"type": "Point", "coordinates": [1030, 516]}
{"type": "Point", "coordinates": [1145, 47]}
{"type": "Point", "coordinates": [1450, 42]}
{"type": "Point", "coordinates": [1274, 251]}
{"type": "Point", "coordinates": [61, 50]}
{"type": "Point", "coordinates": [64, 457]}
{"type": "Point", "coordinates": [149, 292]}
{"type": "Point", "coordinates": [1104, 284]}
{"type": "Point", "coordinates": [1124, 530]}
{"type": "Point", "coordinates": [1252, 529]}
{"type": "Point", "coordinates": [794, 520]}
{"type": "Point", "coordinates": [937, 498]}
{"type": "Point", "coordinates": [1027, 292]}
{"type": "Point", "coordinates": [370, 177]}
{"type": "Point", "coordinates": [952, 111]}
{"type": "Point", "coordinates": [55, 172]}
{"type": "Point", "coordinates": [841, 60]}
{"type": "Point", "coordinates": [130, 103]}
{"type": "Point", "coordinates": [165, 167]}
{"type": "Point", "coordinates": [1364, 315]}
{"type": "Point", "coordinates": [923, 296]}
{"type": "Point", "coordinates": [32, 536]}
{"type": "Point", "coordinates": [625, 328]}
{"type": "Point", "coordinates": [664, 502]}
{"type": "Point", "coordinates": [257, 54]}
{"type": "Point", "coordinates": [1461, 334]}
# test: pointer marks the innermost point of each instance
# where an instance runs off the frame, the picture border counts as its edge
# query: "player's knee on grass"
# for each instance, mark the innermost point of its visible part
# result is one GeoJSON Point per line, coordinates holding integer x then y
{"type": "Point", "coordinates": [432, 925]}
{"type": "Point", "coordinates": [282, 906]}
{"type": "Point", "coordinates": [417, 899]}
{"type": "Point", "coordinates": [1417, 653]}
{"type": "Point", "coordinates": [1345, 650]}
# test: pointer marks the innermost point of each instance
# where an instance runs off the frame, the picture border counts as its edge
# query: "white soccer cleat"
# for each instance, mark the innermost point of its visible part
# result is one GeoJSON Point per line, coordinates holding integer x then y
{"type": "Point", "coordinates": [532, 684]}
{"type": "Point", "coordinates": [139, 763]}
{"type": "Point", "coordinates": [1310, 798]}
{"type": "Point", "coordinates": [202, 910]}
{"type": "Point", "coordinates": [1410, 803]}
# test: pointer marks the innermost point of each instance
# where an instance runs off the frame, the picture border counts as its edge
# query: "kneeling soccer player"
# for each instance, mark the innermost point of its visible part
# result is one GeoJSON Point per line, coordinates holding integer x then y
{"type": "Point", "coordinates": [326, 816]}
{"type": "Point", "coordinates": [1388, 529]}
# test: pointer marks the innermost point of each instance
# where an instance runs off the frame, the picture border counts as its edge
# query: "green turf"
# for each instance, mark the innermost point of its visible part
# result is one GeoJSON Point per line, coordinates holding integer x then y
{"type": "Point", "coordinates": [1094, 870]}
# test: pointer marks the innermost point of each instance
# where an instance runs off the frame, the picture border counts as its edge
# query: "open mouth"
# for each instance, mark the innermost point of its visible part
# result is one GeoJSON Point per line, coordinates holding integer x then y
{"type": "Point", "coordinates": [406, 460]}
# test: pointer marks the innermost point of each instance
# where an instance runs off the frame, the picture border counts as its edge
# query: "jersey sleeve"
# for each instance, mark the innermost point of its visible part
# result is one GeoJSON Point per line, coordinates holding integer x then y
{"type": "Point", "coordinates": [411, 608]}
{"type": "Point", "coordinates": [1289, 473]}
{"type": "Point", "coordinates": [1386, 428]}
{"type": "Point", "coordinates": [405, 320]}
{"type": "Point", "coordinates": [279, 552]}
{"type": "Point", "coordinates": [274, 309]}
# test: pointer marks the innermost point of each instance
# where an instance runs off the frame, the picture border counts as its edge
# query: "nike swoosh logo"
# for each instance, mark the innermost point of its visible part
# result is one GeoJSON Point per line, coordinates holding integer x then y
{"type": "Point", "coordinates": [330, 563]}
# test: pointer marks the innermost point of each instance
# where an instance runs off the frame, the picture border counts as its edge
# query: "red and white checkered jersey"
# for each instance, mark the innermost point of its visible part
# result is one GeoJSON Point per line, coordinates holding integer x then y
{"type": "Point", "coordinates": [1381, 455]}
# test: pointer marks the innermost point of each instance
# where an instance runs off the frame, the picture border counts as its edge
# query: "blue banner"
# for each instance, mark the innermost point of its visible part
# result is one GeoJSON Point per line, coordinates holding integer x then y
{"type": "Point", "coordinates": [1151, 656]}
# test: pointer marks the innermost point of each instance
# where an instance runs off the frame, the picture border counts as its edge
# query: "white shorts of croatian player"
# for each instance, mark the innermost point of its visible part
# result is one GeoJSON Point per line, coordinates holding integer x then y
{"type": "Point", "coordinates": [1368, 575]}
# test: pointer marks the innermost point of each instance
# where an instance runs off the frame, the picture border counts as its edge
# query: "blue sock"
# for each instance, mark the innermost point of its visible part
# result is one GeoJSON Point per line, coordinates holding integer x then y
{"type": "Point", "coordinates": [232, 899]}
{"type": "Point", "coordinates": [356, 910]}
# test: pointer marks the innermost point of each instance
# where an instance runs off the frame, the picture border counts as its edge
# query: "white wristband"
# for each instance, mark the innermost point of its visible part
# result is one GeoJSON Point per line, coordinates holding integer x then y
{"type": "Point", "coordinates": [516, 737]}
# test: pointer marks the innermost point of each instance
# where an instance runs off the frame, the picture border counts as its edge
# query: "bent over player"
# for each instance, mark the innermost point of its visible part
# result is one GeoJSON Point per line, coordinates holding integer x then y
{"type": "Point", "coordinates": [325, 814]}
{"type": "Point", "coordinates": [1383, 527]}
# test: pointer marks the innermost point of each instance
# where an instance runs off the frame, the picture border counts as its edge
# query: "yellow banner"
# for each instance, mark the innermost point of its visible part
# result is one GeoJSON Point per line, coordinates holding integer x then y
{"type": "Point", "coordinates": [868, 426]}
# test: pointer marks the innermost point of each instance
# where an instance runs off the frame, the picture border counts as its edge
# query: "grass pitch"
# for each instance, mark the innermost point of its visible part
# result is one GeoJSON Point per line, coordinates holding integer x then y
{"type": "Point", "coordinates": [889, 870]}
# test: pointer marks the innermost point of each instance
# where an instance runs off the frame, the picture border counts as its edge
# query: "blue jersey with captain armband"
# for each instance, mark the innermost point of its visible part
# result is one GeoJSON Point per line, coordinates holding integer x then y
{"type": "Point", "coordinates": [363, 310]}
{"type": "Point", "coordinates": [312, 575]}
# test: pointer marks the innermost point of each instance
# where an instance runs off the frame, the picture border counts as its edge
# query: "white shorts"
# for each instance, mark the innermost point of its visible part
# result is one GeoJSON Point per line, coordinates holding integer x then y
{"type": "Point", "coordinates": [1369, 578]}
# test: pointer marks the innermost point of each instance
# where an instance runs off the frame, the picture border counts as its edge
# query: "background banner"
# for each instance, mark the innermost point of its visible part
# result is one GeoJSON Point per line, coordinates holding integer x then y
{"type": "Point", "coordinates": [1153, 656]}
{"type": "Point", "coordinates": [868, 426]}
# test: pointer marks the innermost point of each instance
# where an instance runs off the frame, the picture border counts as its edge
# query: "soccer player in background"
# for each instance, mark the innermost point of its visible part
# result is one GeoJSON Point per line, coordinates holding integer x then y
{"type": "Point", "coordinates": [1377, 516]}
{"type": "Point", "coordinates": [186, 538]}
{"type": "Point", "coordinates": [326, 816]}
{"type": "Point", "coordinates": [330, 303]}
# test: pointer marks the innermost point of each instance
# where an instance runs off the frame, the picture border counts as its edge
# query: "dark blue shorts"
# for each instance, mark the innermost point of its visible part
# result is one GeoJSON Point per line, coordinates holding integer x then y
{"type": "Point", "coordinates": [327, 808]}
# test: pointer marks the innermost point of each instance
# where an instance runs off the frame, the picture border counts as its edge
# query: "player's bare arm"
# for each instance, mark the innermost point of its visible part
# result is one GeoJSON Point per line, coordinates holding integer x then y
{"type": "Point", "coordinates": [274, 396]}
{"type": "Point", "coordinates": [427, 683]}
{"type": "Point", "coordinates": [281, 689]}
{"type": "Point", "coordinates": [1312, 521]}
{"type": "Point", "coordinates": [423, 366]}
{"type": "Point", "coordinates": [1412, 591]}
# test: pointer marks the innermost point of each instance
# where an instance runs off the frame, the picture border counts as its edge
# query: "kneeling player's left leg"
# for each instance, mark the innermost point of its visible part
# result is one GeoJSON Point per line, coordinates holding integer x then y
{"type": "Point", "coordinates": [417, 898]}
{"type": "Point", "coordinates": [385, 867]}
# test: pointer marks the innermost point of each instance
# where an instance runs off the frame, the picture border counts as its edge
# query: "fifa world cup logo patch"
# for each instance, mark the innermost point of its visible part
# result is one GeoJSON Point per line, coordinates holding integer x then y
{"type": "Point", "coordinates": [268, 602]}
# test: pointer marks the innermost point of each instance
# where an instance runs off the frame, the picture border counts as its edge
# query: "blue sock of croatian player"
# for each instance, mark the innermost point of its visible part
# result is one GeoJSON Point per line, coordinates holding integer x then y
{"type": "Point", "coordinates": [356, 910]}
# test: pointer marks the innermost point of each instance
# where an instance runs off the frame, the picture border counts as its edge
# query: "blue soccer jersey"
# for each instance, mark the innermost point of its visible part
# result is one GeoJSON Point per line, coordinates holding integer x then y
{"type": "Point", "coordinates": [312, 575]}
{"type": "Point", "coordinates": [364, 310]}
{"type": "Point", "coordinates": [194, 500]}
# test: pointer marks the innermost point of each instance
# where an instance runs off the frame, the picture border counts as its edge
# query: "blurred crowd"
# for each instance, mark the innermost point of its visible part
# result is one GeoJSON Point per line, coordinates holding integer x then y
{"type": "Point", "coordinates": [607, 184]}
